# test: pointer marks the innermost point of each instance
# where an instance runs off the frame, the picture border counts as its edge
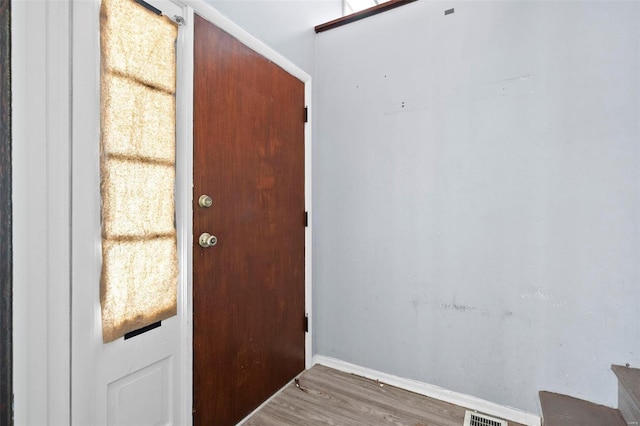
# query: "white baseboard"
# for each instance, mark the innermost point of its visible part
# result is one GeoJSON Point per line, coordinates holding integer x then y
{"type": "Point", "coordinates": [435, 392]}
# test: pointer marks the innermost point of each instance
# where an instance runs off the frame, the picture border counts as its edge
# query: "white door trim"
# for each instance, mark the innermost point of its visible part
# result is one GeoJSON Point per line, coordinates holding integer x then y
{"type": "Point", "coordinates": [41, 210]}
{"type": "Point", "coordinates": [184, 209]}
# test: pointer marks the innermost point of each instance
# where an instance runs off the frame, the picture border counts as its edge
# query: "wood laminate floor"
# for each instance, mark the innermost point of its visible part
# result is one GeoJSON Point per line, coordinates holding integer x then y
{"type": "Point", "coordinates": [564, 410]}
{"type": "Point", "coordinates": [330, 397]}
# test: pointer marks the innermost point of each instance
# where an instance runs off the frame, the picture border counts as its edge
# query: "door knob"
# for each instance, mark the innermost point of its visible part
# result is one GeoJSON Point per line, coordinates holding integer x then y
{"type": "Point", "coordinates": [205, 201]}
{"type": "Point", "coordinates": [207, 240]}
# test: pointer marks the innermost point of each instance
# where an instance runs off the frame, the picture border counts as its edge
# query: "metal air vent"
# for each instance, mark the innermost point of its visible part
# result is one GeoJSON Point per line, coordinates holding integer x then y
{"type": "Point", "coordinates": [476, 419]}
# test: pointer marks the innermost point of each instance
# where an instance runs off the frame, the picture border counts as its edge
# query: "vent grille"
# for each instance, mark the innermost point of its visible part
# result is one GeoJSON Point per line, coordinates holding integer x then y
{"type": "Point", "coordinates": [475, 419]}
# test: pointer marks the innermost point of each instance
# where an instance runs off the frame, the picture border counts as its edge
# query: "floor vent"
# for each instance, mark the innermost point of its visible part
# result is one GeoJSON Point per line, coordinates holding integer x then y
{"type": "Point", "coordinates": [475, 419]}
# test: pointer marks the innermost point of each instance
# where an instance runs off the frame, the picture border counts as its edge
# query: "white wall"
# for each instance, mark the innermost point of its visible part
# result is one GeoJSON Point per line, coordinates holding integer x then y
{"type": "Point", "coordinates": [476, 196]}
{"type": "Point", "coordinates": [284, 25]}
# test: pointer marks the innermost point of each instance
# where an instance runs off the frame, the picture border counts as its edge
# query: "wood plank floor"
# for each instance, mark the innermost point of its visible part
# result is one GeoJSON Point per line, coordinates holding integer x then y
{"type": "Point", "coordinates": [564, 410]}
{"type": "Point", "coordinates": [330, 397]}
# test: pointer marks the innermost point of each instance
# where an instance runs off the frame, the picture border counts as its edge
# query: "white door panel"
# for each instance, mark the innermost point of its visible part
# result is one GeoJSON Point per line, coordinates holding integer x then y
{"type": "Point", "coordinates": [125, 382]}
{"type": "Point", "coordinates": [142, 397]}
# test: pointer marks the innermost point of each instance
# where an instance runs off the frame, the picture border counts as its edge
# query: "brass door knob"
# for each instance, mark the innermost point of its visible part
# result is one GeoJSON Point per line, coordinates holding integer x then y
{"type": "Point", "coordinates": [207, 240]}
{"type": "Point", "coordinates": [205, 201]}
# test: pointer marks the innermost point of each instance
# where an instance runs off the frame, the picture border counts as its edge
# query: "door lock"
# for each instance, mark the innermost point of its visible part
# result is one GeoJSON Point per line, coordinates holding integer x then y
{"type": "Point", "coordinates": [205, 201]}
{"type": "Point", "coordinates": [207, 240]}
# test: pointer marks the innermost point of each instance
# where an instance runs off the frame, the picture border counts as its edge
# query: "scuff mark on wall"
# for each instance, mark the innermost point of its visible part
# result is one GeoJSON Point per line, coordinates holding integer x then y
{"type": "Point", "coordinates": [459, 308]}
{"type": "Point", "coordinates": [549, 298]}
{"type": "Point", "coordinates": [504, 314]}
{"type": "Point", "coordinates": [522, 85]}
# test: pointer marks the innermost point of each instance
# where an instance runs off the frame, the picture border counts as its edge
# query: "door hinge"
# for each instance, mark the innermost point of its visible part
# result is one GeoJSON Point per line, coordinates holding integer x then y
{"type": "Point", "coordinates": [306, 114]}
{"type": "Point", "coordinates": [306, 219]}
{"type": "Point", "coordinates": [306, 323]}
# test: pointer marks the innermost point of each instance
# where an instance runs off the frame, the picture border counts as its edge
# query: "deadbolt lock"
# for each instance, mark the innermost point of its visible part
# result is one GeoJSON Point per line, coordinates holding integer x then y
{"type": "Point", "coordinates": [205, 201]}
{"type": "Point", "coordinates": [207, 240]}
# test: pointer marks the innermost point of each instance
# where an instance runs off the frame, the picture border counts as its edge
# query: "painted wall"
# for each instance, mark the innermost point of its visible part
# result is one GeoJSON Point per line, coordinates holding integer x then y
{"type": "Point", "coordinates": [477, 196]}
{"type": "Point", "coordinates": [284, 25]}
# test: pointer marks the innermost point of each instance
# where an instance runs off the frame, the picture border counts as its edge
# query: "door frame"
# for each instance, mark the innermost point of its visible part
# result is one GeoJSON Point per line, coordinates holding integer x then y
{"type": "Point", "coordinates": [184, 183]}
{"type": "Point", "coordinates": [41, 190]}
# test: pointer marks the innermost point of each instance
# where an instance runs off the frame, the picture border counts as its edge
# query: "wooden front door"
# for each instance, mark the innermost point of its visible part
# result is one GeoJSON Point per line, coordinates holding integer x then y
{"type": "Point", "coordinates": [248, 289]}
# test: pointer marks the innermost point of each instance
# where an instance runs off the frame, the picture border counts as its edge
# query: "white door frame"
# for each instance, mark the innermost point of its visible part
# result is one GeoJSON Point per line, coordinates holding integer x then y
{"type": "Point", "coordinates": [41, 191]}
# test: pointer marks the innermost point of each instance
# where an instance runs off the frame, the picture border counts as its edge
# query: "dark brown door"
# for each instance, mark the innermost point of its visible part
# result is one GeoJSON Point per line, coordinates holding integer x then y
{"type": "Point", "coordinates": [248, 289]}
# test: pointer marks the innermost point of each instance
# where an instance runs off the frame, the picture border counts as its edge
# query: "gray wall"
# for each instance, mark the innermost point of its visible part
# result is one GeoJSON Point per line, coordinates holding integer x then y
{"type": "Point", "coordinates": [476, 203]}
{"type": "Point", "coordinates": [285, 25]}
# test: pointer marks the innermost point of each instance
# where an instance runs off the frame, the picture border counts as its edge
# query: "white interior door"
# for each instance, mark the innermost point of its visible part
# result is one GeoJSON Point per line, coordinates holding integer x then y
{"type": "Point", "coordinates": [137, 381]}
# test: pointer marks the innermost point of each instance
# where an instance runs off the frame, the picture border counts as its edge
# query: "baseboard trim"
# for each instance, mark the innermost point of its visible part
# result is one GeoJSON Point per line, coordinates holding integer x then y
{"type": "Point", "coordinates": [431, 391]}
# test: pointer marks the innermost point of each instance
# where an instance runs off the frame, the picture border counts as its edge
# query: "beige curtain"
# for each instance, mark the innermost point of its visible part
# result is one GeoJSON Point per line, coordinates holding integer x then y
{"type": "Point", "coordinates": [139, 253]}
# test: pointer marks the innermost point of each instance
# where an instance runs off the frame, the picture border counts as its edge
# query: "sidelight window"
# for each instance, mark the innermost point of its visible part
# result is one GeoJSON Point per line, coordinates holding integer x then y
{"type": "Point", "coordinates": [138, 108]}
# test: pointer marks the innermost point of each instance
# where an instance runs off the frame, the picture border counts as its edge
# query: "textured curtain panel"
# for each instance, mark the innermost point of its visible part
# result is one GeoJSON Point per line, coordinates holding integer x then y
{"type": "Point", "coordinates": [139, 253]}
